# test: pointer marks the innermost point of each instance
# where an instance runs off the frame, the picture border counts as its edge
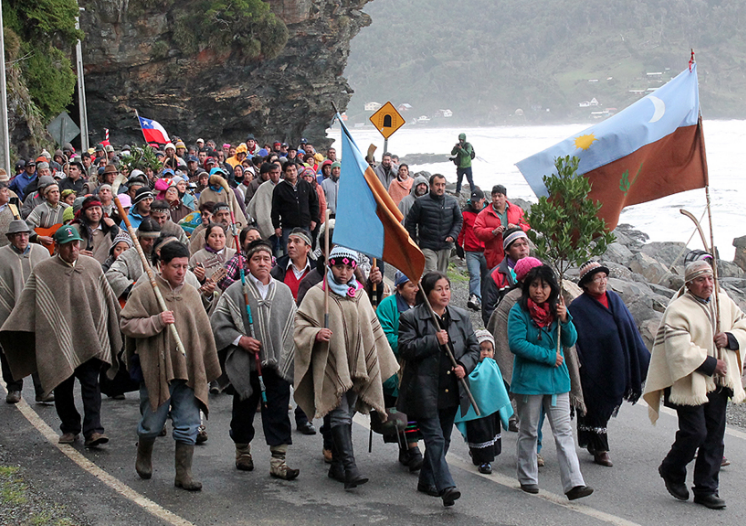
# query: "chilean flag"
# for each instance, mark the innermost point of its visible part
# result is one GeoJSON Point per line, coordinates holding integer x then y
{"type": "Point", "coordinates": [153, 131]}
{"type": "Point", "coordinates": [651, 149]}
{"type": "Point", "coordinates": [367, 219]}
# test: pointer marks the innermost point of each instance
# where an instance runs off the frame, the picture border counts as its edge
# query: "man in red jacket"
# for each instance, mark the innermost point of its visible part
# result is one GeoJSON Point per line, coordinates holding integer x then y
{"type": "Point", "coordinates": [496, 219]}
{"type": "Point", "coordinates": [469, 246]}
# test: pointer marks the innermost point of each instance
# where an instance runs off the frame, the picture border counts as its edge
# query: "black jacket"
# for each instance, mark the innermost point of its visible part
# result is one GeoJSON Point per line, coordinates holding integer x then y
{"type": "Point", "coordinates": [294, 206]}
{"type": "Point", "coordinates": [419, 349]}
{"type": "Point", "coordinates": [432, 219]}
{"type": "Point", "coordinates": [495, 286]}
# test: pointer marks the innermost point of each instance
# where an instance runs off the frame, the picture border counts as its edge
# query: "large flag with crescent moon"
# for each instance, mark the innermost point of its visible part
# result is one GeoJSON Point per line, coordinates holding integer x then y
{"type": "Point", "coordinates": [651, 149]}
{"type": "Point", "coordinates": [367, 219]}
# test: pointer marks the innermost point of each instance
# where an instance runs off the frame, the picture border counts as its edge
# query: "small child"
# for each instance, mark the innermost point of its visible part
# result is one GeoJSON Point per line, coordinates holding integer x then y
{"type": "Point", "coordinates": [483, 434]}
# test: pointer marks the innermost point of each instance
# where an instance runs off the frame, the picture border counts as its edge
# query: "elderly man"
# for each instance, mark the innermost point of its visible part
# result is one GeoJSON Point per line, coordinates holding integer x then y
{"type": "Point", "coordinates": [695, 367]}
{"type": "Point", "coordinates": [17, 260]}
{"type": "Point", "coordinates": [68, 304]}
{"type": "Point", "coordinates": [434, 222]}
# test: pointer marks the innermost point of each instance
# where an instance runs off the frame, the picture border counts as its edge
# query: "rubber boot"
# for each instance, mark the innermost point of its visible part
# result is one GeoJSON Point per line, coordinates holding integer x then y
{"type": "Point", "coordinates": [343, 442]}
{"type": "Point", "coordinates": [183, 457]}
{"type": "Point", "coordinates": [336, 469]}
{"type": "Point", "coordinates": [278, 467]}
{"type": "Point", "coordinates": [415, 459]}
{"type": "Point", "coordinates": [244, 462]}
{"type": "Point", "coordinates": [144, 462]}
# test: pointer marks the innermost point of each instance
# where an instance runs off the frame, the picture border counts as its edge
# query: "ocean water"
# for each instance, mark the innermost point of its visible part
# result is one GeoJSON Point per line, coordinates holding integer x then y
{"type": "Point", "coordinates": [499, 148]}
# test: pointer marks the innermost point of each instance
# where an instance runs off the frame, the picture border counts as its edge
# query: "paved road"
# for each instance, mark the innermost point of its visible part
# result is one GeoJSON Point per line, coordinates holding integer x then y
{"type": "Point", "coordinates": [629, 493]}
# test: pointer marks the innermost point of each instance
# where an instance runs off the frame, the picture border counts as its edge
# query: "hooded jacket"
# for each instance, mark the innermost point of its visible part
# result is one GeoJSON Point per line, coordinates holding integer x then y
{"type": "Point", "coordinates": [406, 204]}
{"type": "Point", "coordinates": [467, 238]}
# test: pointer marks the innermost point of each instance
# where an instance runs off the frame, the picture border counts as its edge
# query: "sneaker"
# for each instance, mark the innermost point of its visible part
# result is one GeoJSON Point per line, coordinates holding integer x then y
{"type": "Point", "coordinates": [539, 460]}
{"type": "Point", "coordinates": [474, 303]}
{"type": "Point", "coordinates": [724, 462]}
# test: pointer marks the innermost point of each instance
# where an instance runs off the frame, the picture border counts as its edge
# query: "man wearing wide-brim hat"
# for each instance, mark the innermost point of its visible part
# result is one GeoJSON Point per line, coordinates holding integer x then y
{"type": "Point", "coordinates": [17, 259]}
{"type": "Point", "coordinates": [695, 368]}
{"type": "Point", "coordinates": [65, 325]}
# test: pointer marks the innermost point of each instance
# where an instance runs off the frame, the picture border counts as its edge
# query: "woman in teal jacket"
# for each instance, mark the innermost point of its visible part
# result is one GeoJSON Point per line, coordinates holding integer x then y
{"type": "Point", "coordinates": [388, 312]}
{"type": "Point", "coordinates": [541, 380]}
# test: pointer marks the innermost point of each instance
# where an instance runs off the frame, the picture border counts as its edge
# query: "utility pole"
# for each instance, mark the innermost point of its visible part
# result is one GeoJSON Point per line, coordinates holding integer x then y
{"type": "Point", "coordinates": [81, 90]}
{"type": "Point", "coordinates": [5, 150]}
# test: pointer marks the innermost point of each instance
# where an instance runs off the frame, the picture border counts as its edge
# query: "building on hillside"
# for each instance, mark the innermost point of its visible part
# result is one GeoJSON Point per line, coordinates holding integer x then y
{"type": "Point", "coordinates": [372, 106]}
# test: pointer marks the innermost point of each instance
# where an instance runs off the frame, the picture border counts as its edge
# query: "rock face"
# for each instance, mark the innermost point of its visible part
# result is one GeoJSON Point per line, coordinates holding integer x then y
{"type": "Point", "coordinates": [132, 62]}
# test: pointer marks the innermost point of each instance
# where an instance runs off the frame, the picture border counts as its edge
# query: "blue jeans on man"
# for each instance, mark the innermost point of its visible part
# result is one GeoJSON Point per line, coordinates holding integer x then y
{"type": "Point", "coordinates": [183, 408]}
{"type": "Point", "coordinates": [476, 263]}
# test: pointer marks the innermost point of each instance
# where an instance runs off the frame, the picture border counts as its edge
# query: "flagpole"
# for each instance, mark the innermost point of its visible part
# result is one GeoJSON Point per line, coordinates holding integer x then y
{"type": "Point", "coordinates": [326, 270]}
{"type": "Point", "coordinates": [139, 123]}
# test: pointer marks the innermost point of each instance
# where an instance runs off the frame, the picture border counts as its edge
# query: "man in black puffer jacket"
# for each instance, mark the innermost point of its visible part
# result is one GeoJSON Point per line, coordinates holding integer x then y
{"type": "Point", "coordinates": [434, 222]}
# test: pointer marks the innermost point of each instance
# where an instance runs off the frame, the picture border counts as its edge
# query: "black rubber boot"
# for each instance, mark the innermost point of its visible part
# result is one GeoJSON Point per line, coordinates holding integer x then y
{"type": "Point", "coordinates": [343, 442]}
{"type": "Point", "coordinates": [144, 462]}
{"type": "Point", "coordinates": [336, 469]}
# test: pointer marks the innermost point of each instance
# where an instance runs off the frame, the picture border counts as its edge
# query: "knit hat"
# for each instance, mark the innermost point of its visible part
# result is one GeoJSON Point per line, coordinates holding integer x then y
{"type": "Point", "coordinates": [68, 215]}
{"type": "Point", "coordinates": [122, 236]}
{"type": "Point", "coordinates": [696, 269]}
{"type": "Point", "coordinates": [169, 145]}
{"type": "Point", "coordinates": [336, 164]}
{"type": "Point", "coordinates": [142, 194]}
{"type": "Point", "coordinates": [67, 192]}
{"type": "Point", "coordinates": [124, 200]}
{"type": "Point", "coordinates": [400, 278]}
{"type": "Point", "coordinates": [512, 237]}
{"type": "Point", "coordinates": [590, 269]}
{"type": "Point", "coordinates": [485, 336]}
{"type": "Point", "coordinates": [523, 266]}
{"type": "Point", "coordinates": [180, 144]}
{"type": "Point", "coordinates": [342, 255]}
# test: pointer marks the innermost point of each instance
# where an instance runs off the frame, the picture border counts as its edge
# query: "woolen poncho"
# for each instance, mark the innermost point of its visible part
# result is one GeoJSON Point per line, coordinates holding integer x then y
{"type": "Point", "coordinates": [273, 326]}
{"type": "Point", "coordinates": [15, 269]}
{"type": "Point", "coordinates": [74, 313]}
{"type": "Point", "coordinates": [613, 357]}
{"type": "Point", "coordinates": [148, 337]}
{"type": "Point", "coordinates": [358, 356]}
{"type": "Point", "coordinates": [684, 340]}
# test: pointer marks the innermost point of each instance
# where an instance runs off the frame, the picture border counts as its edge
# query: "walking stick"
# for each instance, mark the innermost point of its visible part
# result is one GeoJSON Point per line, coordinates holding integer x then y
{"type": "Point", "coordinates": [151, 275]}
{"type": "Point", "coordinates": [244, 288]}
{"type": "Point", "coordinates": [326, 272]}
{"type": "Point", "coordinates": [448, 348]}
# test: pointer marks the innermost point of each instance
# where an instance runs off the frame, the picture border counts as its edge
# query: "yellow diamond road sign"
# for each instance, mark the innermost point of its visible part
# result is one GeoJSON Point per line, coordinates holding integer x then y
{"type": "Point", "coordinates": [387, 120]}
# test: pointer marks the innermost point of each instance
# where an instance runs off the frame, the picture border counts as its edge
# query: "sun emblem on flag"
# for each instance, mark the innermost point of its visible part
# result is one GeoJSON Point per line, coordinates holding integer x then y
{"type": "Point", "coordinates": [585, 141]}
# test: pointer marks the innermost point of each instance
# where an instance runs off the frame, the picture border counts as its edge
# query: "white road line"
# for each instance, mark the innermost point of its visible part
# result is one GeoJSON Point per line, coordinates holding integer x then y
{"type": "Point", "coordinates": [509, 482]}
{"type": "Point", "coordinates": [113, 482]}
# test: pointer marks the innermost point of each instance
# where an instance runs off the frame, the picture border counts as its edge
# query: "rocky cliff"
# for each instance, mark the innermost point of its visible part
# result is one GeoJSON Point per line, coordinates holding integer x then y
{"type": "Point", "coordinates": [206, 70]}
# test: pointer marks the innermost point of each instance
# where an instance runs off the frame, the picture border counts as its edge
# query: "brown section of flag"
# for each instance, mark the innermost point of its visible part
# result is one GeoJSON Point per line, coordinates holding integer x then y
{"type": "Point", "coordinates": [398, 248]}
{"type": "Point", "coordinates": [673, 164]}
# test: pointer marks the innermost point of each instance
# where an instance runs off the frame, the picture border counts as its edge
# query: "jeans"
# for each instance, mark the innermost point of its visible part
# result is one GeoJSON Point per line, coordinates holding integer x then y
{"type": "Point", "coordinates": [460, 172]}
{"type": "Point", "coordinates": [477, 265]}
{"type": "Point", "coordinates": [275, 419]}
{"type": "Point", "coordinates": [436, 432]}
{"type": "Point", "coordinates": [343, 413]}
{"type": "Point", "coordinates": [183, 408]}
{"type": "Point", "coordinates": [557, 409]}
{"type": "Point", "coordinates": [64, 401]}
{"type": "Point", "coordinates": [700, 426]}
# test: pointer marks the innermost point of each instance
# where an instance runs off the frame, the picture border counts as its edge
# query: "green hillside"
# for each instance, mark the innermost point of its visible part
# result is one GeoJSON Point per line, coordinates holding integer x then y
{"type": "Point", "coordinates": [485, 59]}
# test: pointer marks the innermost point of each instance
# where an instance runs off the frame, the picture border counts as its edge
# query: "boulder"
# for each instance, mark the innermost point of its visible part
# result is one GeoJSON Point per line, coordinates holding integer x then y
{"type": "Point", "coordinates": [672, 281]}
{"type": "Point", "coordinates": [634, 237]}
{"type": "Point", "coordinates": [740, 257]}
{"type": "Point", "coordinates": [617, 253]}
{"type": "Point", "coordinates": [618, 271]}
{"type": "Point", "coordinates": [629, 290]}
{"type": "Point", "coordinates": [649, 328]}
{"type": "Point", "coordinates": [667, 252]}
{"type": "Point", "coordinates": [663, 291]}
{"type": "Point", "coordinates": [728, 269]}
{"type": "Point", "coordinates": [652, 269]}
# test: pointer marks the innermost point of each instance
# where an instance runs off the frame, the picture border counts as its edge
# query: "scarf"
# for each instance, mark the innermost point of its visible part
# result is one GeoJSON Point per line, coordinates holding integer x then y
{"type": "Point", "coordinates": [342, 289]}
{"type": "Point", "coordinates": [540, 314]}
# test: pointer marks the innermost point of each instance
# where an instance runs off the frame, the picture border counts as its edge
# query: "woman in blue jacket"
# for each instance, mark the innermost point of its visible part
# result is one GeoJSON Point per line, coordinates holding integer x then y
{"type": "Point", "coordinates": [540, 379]}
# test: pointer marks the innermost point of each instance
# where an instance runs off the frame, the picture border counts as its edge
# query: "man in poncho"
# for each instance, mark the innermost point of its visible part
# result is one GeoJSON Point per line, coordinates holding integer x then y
{"type": "Point", "coordinates": [340, 369]}
{"type": "Point", "coordinates": [17, 259]}
{"type": "Point", "coordinates": [171, 381]}
{"type": "Point", "coordinates": [69, 305]}
{"type": "Point", "coordinates": [695, 367]}
{"type": "Point", "coordinates": [269, 332]}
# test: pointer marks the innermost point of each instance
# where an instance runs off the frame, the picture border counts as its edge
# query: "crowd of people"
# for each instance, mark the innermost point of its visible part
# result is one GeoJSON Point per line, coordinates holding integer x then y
{"type": "Point", "coordinates": [207, 273]}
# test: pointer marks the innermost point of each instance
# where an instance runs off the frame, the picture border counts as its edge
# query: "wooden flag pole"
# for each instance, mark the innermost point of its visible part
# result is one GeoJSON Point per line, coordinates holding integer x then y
{"type": "Point", "coordinates": [326, 271]}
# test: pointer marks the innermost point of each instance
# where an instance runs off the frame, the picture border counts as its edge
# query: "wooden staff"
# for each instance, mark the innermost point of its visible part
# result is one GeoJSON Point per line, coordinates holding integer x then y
{"type": "Point", "coordinates": [448, 348]}
{"type": "Point", "coordinates": [151, 275]}
{"type": "Point", "coordinates": [326, 272]}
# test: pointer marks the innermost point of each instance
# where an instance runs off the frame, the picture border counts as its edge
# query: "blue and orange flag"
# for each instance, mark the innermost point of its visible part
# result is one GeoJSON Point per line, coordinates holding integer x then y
{"type": "Point", "coordinates": [367, 219]}
{"type": "Point", "coordinates": [651, 149]}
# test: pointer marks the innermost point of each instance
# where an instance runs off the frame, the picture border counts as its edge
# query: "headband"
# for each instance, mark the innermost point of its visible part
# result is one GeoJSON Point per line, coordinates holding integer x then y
{"type": "Point", "coordinates": [696, 269]}
{"type": "Point", "coordinates": [303, 236]}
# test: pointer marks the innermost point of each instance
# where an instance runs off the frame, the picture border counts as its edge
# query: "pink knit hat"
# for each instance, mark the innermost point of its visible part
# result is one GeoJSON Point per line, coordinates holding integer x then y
{"type": "Point", "coordinates": [523, 266]}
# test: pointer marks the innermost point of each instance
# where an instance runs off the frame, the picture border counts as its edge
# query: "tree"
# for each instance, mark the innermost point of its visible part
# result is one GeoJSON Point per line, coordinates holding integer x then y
{"type": "Point", "coordinates": [565, 226]}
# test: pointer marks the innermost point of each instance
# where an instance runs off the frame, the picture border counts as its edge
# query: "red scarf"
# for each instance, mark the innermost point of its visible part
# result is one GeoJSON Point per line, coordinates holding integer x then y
{"type": "Point", "coordinates": [541, 314]}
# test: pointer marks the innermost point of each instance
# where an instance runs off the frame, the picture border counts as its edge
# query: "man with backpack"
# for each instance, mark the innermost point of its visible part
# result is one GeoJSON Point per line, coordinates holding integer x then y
{"type": "Point", "coordinates": [464, 153]}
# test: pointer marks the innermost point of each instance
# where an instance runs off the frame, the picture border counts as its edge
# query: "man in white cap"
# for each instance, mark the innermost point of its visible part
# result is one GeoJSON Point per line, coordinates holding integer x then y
{"type": "Point", "coordinates": [695, 368]}
{"type": "Point", "coordinates": [17, 259]}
